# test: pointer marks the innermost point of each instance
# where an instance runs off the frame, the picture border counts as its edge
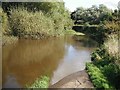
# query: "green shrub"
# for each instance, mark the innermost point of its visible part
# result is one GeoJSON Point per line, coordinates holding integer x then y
{"type": "Point", "coordinates": [42, 82]}
{"type": "Point", "coordinates": [37, 19]}
{"type": "Point", "coordinates": [97, 77]}
{"type": "Point", "coordinates": [111, 45]}
{"type": "Point", "coordinates": [5, 34]}
{"type": "Point", "coordinates": [29, 24]}
{"type": "Point", "coordinates": [108, 65]}
{"type": "Point", "coordinates": [8, 39]}
{"type": "Point", "coordinates": [58, 23]}
{"type": "Point", "coordinates": [4, 22]}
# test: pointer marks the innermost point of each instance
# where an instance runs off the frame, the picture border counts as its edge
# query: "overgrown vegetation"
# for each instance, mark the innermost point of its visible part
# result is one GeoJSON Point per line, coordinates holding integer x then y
{"type": "Point", "coordinates": [106, 57]}
{"type": "Point", "coordinates": [94, 15]}
{"type": "Point", "coordinates": [106, 61]}
{"type": "Point", "coordinates": [107, 66]}
{"type": "Point", "coordinates": [97, 21]}
{"type": "Point", "coordinates": [35, 20]}
{"type": "Point", "coordinates": [42, 82]}
{"type": "Point", "coordinates": [98, 78]}
{"type": "Point", "coordinates": [8, 39]}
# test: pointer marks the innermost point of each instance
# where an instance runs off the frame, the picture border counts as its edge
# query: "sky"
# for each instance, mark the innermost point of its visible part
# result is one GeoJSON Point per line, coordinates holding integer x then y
{"type": "Point", "coordinates": [73, 4]}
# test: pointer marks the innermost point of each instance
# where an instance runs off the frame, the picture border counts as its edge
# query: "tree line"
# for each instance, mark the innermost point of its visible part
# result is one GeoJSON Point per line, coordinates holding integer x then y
{"type": "Point", "coordinates": [95, 14]}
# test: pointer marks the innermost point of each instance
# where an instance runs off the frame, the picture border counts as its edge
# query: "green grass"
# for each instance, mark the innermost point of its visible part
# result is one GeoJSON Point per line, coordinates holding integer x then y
{"type": "Point", "coordinates": [37, 24]}
{"type": "Point", "coordinates": [42, 82]}
{"type": "Point", "coordinates": [97, 77]}
{"type": "Point", "coordinates": [4, 24]}
{"type": "Point", "coordinates": [72, 32]}
{"type": "Point", "coordinates": [5, 36]}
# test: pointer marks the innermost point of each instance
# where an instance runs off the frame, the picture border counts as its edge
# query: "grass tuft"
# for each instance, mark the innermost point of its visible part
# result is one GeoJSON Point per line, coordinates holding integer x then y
{"type": "Point", "coordinates": [42, 82]}
{"type": "Point", "coordinates": [72, 32]}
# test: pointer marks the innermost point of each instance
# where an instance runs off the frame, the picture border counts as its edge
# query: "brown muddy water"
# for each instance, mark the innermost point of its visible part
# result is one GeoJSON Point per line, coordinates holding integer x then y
{"type": "Point", "coordinates": [27, 60]}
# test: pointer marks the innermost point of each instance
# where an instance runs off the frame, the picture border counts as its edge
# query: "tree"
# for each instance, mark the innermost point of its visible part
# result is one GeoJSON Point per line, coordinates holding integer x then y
{"type": "Point", "coordinates": [92, 15]}
{"type": "Point", "coordinates": [119, 5]}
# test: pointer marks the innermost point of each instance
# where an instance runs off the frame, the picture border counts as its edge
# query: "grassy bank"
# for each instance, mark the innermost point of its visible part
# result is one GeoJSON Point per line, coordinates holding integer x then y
{"type": "Point", "coordinates": [8, 40]}
{"type": "Point", "coordinates": [106, 60]}
{"type": "Point", "coordinates": [26, 24]}
{"type": "Point", "coordinates": [97, 77]}
{"type": "Point", "coordinates": [72, 32]}
{"type": "Point", "coordinates": [105, 66]}
{"type": "Point", "coordinates": [96, 32]}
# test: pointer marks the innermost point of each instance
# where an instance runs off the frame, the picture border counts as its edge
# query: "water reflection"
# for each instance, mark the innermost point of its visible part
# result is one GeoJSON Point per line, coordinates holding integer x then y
{"type": "Point", "coordinates": [56, 57]}
{"type": "Point", "coordinates": [29, 59]}
{"type": "Point", "coordinates": [74, 60]}
{"type": "Point", "coordinates": [11, 82]}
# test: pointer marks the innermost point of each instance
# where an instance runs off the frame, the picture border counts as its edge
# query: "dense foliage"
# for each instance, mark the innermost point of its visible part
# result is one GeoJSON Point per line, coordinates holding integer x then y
{"type": "Point", "coordinates": [42, 82]}
{"type": "Point", "coordinates": [97, 77]}
{"type": "Point", "coordinates": [106, 57]}
{"type": "Point", "coordinates": [106, 63]}
{"type": "Point", "coordinates": [34, 20]}
{"type": "Point", "coordinates": [93, 15]}
{"type": "Point", "coordinates": [4, 21]}
{"type": "Point", "coordinates": [28, 24]}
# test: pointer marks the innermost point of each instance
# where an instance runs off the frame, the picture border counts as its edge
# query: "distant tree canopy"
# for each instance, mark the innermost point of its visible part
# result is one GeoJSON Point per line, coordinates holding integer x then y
{"type": "Point", "coordinates": [35, 6]}
{"type": "Point", "coordinates": [119, 5]}
{"type": "Point", "coordinates": [92, 15]}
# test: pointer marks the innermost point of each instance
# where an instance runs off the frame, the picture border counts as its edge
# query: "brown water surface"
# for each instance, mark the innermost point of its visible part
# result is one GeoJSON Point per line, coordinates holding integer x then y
{"type": "Point", "coordinates": [27, 60]}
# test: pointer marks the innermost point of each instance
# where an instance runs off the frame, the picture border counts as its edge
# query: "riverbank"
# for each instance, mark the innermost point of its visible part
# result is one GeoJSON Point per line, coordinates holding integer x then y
{"type": "Point", "coordinates": [104, 71]}
{"type": "Point", "coordinates": [6, 40]}
{"type": "Point", "coordinates": [76, 80]}
{"type": "Point", "coordinates": [96, 32]}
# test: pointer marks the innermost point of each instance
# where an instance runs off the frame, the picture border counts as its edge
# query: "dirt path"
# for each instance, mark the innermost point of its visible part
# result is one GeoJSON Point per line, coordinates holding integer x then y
{"type": "Point", "coordinates": [76, 80]}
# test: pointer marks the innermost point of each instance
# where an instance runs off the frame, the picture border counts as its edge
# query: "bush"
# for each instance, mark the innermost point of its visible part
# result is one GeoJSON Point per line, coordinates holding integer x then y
{"type": "Point", "coordinates": [4, 22]}
{"type": "Point", "coordinates": [97, 77]}
{"type": "Point", "coordinates": [112, 27]}
{"type": "Point", "coordinates": [37, 19]}
{"type": "Point", "coordinates": [111, 45]}
{"type": "Point", "coordinates": [72, 32]}
{"type": "Point", "coordinates": [5, 34]}
{"type": "Point", "coordinates": [37, 24]}
{"type": "Point", "coordinates": [107, 64]}
{"type": "Point", "coordinates": [29, 24]}
{"type": "Point", "coordinates": [42, 82]}
{"type": "Point", "coordinates": [8, 39]}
